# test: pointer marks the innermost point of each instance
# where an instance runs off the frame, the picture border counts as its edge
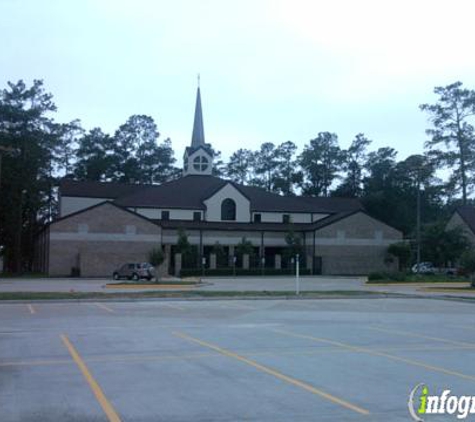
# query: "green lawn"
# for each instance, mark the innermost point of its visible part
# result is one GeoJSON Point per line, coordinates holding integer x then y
{"type": "Point", "coordinates": [27, 296]}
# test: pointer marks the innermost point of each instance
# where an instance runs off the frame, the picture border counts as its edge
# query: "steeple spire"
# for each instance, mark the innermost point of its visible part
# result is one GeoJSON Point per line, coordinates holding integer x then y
{"type": "Point", "coordinates": [198, 136]}
{"type": "Point", "coordinates": [198, 157]}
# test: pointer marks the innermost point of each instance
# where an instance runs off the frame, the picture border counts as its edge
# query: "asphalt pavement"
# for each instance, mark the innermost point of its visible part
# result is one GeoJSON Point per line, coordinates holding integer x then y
{"type": "Point", "coordinates": [231, 360]}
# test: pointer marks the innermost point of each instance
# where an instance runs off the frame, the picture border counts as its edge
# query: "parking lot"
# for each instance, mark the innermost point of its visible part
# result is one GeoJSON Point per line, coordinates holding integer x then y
{"type": "Point", "coordinates": [231, 360]}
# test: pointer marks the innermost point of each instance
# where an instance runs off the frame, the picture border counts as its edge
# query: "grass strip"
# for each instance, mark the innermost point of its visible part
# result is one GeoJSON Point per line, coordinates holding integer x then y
{"type": "Point", "coordinates": [22, 296]}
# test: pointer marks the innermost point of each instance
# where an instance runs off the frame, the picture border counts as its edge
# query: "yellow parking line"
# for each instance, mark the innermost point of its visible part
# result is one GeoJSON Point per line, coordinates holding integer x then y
{"type": "Point", "coordinates": [106, 308]}
{"type": "Point", "coordinates": [378, 353]}
{"type": "Point", "coordinates": [101, 398]}
{"type": "Point", "coordinates": [275, 373]}
{"type": "Point", "coordinates": [203, 355]}
{"type": "Point", "coordinates": [31, 309]}
{"type": "Point", "coordinates": [411, 334]}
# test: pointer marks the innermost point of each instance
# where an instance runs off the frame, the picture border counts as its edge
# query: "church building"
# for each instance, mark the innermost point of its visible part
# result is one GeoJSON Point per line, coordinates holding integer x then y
{"type": "Point", "coordinates": [103, 225]}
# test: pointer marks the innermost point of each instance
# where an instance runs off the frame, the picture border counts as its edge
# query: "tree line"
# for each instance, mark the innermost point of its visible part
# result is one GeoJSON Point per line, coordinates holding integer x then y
{"type": "Point", "coordinates": [36, 152]}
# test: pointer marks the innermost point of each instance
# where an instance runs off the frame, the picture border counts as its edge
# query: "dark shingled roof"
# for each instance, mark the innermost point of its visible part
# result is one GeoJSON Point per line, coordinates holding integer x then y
{"type": "Point", "coordinates": [467, 213]}
{"type": "Point", "coordinates": [109, 190]}
{"type": "Point", "coordinates": [189, 192]}
{"type": "Point", "coordinates": [229, 225]}
{"type": "Point", "coordinates": [235, 226]}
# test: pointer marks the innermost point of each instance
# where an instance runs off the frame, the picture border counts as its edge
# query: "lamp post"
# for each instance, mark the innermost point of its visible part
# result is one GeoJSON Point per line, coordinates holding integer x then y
{"type": "Point", "coordinates": [297, 274]}
{"type": "Point", "coordinates": [418, 221]}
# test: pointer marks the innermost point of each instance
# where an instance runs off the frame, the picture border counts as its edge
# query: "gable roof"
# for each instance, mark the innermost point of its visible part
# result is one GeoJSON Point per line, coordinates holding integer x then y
{"type": "Point", "coordinates": [90, 189]}
{"type": "Point", "coordinates": [187, 192]}
{"type": "Point", "coordinates": [190, 191]}
{"type": "Point", "coordinates": [467, 213]}
{"type": "Point", "coordinates": [100, 204]}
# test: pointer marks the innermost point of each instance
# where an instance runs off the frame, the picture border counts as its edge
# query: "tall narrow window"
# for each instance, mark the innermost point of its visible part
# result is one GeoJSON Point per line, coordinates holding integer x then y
{"type": "Point", "coordinates": [228, 210]}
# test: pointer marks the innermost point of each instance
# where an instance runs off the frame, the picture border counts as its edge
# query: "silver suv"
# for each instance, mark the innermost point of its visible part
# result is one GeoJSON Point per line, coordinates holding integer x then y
{"type": "Point", "coordinates": [134, 271]}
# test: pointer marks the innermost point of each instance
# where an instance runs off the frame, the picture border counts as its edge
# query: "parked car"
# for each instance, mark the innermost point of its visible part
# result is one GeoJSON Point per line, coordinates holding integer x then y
{"type": "Point", "coordinates": [134, 271]}
{"type": "Point", "coordinates": [424, 268]}
{"type": "Point", "coordinates": [429, 268]}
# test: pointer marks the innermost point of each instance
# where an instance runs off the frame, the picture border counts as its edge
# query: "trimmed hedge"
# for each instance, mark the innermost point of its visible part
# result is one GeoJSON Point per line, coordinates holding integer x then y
{"type": "Point", "coordinates": [392, 276]}
{"type": "Point", "coordinates": [191, 272]}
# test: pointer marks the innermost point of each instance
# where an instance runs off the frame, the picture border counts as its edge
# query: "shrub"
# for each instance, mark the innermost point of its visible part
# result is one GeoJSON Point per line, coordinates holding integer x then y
{"type": "Point", "coordinates": [190, 272]}
{"type": "Point", "coordinates": [156, 257]}
{"type": "Point", "coordinates": [390, 276]}
{"type": "Point", "coordinates": [402, 251]}
{"type": "Point", "coordinates": [467, 261]}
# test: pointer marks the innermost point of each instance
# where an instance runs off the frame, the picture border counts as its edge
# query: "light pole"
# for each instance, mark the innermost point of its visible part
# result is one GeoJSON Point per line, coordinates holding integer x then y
{"type": "Point", "coordinates": [418, 221]}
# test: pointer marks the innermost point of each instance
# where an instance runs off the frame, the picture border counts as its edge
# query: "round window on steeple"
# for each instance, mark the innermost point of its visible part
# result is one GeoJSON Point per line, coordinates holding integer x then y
{"type": "Point", "coordinates": [200, 163]}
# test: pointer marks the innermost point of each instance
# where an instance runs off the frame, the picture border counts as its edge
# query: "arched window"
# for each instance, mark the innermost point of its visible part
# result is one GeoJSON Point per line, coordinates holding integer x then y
{"type": "Point", "coordinates": [228, 209]}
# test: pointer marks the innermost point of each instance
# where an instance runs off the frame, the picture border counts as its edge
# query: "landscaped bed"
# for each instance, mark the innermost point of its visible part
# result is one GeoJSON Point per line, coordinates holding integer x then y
{"type": "Point", "coordinates": [193, 294]}
{"type": "Point", "coordinates": [399, 277]}
{"type": "Point", "coordinates": [155, 284]}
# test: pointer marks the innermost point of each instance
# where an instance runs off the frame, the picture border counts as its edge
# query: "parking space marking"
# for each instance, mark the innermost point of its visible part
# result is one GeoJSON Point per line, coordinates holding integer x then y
{"type": "Point", "coordinates": [275, 373]}
{"type": "Point", "coordinates": [31, 309]}
{"type": "Point", "coordinates": [100, 396]}
{"type": "Point", "coordinates": [378, 353]}
{"type": "Point", "coordinates": [33, 362]}
{"type": "Point", "coordinates": [304, 304]}
{"type": "Point", "coordinates": [467, 327]}
{"type": "Point", "coordinates": [204, 355]}
{"type": "Point", "coordinates": [105, 307]}
{"type": "Point", "coordinates": [411, 334]}
{"type": "Point", "coordinates": [237, 306]}
{"type": "Point", "coordinates": [169, 305]}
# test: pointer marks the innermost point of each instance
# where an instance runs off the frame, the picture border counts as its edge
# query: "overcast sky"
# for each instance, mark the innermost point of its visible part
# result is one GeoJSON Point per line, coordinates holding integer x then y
{"type": "Point", "coordinates": [271, 71]}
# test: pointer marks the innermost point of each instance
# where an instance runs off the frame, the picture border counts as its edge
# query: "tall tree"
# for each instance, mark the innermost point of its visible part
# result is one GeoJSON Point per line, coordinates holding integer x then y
{"type": "Point", "coordinates": [265, 166]}
{"type": "Point", "coordinates": [320, 161]}
{"type": "Point", "coordinates": [156, 162]}
{"type": "Point", "coordinates": [391, 189]}
{"type": "Point", "coordinates": [287, 174]}
{"type": "Point", "coordinates": [240, 166]}
{"type": "Point", "coordinates": [139, 157]}
{"type": "Point", "coordinates": [96, 156]}
{"type": "Point", "coordinates": [219, 168]}
{"type": "Point", "coordinates": [28, 176]}
{"type": "Point", "coordinates": [379, 194]}
{"type": "Point", "coordinates": [452, 142]}
{"type": "Point", "coordinates": [354, 160]}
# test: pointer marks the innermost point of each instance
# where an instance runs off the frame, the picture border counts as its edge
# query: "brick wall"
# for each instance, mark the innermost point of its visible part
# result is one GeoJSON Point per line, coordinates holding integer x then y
{"type": "Point", "coordinates": [99, 240]}
{"type": "Point", "coordinates": [356, 245]}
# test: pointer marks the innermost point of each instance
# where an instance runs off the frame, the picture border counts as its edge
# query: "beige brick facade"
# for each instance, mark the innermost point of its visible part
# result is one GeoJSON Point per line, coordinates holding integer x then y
{"type": "Point", "coordinates": [356, 245]}
{"type": "Point", "coordinates": [99, 240]}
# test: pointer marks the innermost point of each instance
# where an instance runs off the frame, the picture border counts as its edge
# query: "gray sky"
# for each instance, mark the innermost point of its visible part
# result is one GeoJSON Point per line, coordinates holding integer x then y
{"type": "Point", "coordinates": [271, 71]}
